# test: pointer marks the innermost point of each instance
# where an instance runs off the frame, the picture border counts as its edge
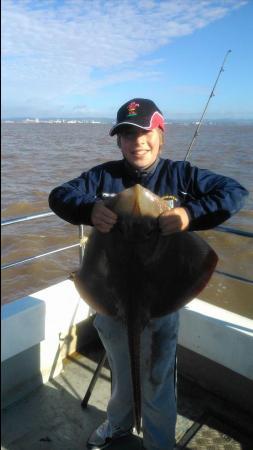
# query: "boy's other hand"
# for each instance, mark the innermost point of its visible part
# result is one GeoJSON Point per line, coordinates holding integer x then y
{"type": "Point", "coordinates": [102, 217]}
{"type": "Point", "coordinates": [174, 220]}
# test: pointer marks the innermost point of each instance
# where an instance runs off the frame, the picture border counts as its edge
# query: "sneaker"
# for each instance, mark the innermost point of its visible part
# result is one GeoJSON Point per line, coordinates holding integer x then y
{"type": "Point", "coordinates": [104, 435]}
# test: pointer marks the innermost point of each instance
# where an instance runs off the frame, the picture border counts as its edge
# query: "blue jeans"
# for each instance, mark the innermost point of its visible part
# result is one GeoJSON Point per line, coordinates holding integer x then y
{"type": "Point", "coordinates": [158, 355]}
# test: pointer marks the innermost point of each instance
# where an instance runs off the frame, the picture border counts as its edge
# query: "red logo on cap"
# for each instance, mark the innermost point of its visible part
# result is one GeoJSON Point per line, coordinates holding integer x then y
{"type": "Point", "coordinates": [132, 109]}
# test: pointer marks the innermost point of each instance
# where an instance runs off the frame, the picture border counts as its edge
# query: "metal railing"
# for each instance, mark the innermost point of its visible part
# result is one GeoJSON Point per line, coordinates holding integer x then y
{"type": "Point", "coordinates": [22, 219]}
{"type": "Point", "coordinates": [26, 218]}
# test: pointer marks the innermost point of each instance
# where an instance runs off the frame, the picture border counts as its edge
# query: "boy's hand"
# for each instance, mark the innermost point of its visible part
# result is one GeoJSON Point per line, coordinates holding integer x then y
{"type": "Point", "coordinates": [102, 218]}
{"type": "Point", "coordinates": [174, 220]}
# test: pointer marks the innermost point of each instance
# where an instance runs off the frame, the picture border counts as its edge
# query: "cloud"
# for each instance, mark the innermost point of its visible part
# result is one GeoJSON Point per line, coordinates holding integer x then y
{"type": "Point", "coordinates": [60, 48]}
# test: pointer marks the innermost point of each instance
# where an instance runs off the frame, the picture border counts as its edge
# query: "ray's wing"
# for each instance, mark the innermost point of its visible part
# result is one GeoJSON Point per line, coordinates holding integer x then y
{"type": "Point", "coordinates": [174, 270]}
{"type": "Point", "coordinates": [102, 280]}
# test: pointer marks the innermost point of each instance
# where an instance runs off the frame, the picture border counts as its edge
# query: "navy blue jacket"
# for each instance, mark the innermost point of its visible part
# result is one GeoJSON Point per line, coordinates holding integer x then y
{"type": "Point", "coordinates": [211, 198]}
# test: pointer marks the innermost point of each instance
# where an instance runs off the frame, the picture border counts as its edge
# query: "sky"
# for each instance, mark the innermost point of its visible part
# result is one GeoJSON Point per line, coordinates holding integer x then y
{"type": "Point", "coordinates": [85, 58]}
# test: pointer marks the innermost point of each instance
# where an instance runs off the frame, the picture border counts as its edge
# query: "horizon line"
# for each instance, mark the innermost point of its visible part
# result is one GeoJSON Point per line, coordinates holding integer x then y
{"type": "Point", "coordinates": [111, 119]}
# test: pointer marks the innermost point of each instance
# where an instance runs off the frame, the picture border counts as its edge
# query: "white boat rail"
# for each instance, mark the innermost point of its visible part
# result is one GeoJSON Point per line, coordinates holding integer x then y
{"type": "Point", "coordinates": [22, 219]}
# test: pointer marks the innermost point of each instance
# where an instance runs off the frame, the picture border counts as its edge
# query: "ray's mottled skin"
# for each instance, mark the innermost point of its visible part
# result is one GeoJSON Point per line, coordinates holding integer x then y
{"type": "Point", "coordinates": [135, 273]}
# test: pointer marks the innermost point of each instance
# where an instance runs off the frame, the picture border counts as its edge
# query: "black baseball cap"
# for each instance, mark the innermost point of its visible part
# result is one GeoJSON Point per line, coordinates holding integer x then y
{"type": "Point", "coordinates": [139, 112]}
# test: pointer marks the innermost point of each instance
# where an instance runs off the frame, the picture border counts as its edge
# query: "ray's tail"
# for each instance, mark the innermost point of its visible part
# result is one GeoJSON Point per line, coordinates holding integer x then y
{"type": "Point", "coordinates": [133, 329]}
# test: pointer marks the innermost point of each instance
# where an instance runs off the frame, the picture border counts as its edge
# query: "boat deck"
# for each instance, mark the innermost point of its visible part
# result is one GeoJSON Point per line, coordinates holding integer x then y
{"type": "Point", "coordinates": [51, 417]}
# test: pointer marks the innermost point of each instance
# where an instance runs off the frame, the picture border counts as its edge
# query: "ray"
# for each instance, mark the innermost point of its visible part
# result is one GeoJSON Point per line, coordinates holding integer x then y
{"type": "Point", "coordinates": [135, 273]}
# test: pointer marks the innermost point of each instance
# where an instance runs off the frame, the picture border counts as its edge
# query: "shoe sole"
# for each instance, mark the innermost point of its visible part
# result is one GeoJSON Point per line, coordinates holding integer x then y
{"type": "Point", "coordinates": [103, 446]}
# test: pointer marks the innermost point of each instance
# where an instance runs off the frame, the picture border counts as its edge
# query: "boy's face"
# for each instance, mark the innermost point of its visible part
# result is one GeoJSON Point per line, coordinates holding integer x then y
{"type": "Point", "coordinates": [139, 147]}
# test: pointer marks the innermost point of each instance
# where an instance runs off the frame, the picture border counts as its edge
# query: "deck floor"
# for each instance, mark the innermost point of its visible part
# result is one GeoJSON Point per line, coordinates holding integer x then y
{"type": "Point", "coordinates": [51, 417]}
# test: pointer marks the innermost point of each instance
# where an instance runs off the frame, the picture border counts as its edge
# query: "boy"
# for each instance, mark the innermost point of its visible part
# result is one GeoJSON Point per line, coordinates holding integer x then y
{"type": "Point", "coordinates": [205, 200]}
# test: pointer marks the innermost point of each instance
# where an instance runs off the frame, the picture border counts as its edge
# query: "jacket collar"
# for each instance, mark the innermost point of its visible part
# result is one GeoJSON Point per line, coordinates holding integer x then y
{"type": "Point", "coordinates": [139, 174]}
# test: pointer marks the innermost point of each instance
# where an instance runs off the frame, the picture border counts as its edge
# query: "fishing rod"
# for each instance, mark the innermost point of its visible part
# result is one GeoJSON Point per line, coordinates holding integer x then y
{"type": "Point", "coordinates": [172, 200]}
{"type": "Point", "coordinates": [205, 109]}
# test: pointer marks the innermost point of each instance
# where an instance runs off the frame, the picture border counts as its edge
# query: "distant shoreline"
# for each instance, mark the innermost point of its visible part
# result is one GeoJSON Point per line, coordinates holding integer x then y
{"type": "Point", "coordinates": [105, 121]}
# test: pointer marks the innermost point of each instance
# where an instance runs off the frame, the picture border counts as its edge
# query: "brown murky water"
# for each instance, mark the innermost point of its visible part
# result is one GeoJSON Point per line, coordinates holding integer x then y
{"type": "Point", "coordinates": [38, 157]}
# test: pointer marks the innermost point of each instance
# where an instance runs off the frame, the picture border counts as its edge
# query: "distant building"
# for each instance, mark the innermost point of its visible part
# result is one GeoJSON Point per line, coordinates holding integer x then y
{"type": "Point", "coordinates": [32, 120]}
